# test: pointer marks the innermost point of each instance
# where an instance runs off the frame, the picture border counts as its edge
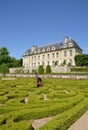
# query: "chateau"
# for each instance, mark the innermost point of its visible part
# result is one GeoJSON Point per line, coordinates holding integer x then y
{"type": "Point", "coordinates": [52, 54]}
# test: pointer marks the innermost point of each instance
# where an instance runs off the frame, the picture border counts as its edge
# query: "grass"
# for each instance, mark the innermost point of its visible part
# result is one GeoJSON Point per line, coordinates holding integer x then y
{"type": "Point", "coordinates": [66, 101]}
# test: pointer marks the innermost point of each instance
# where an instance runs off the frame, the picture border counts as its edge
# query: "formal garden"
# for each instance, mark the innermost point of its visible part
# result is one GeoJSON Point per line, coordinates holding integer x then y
{"type": "Point", "coordinates": [56, 105]}
{"type": "Point", "coordinates": [61, 100]}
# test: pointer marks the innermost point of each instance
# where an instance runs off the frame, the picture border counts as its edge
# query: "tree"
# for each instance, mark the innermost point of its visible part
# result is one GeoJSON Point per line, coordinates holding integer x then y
{"type": "Point", "coordinates": [81, 60]}
{"type": "Point", "coordinates": [48, 69]}
{"type": "Point", "coordinates": [56, 63]}
{"type": "Point", "coordinates": [4, 69]}
{"type": "Point", "coordinates": [4, 51]}
{"type": "Point", "coordinates": [4, 56]}
{"type": "Point", "coordinates": [6, 61]}
{"type": "Point", "coordinates": [41, 69]}
{"type": "Point", "coordinates": [64, 62]}
{"type": "Point", "coordinates": [15, 62]}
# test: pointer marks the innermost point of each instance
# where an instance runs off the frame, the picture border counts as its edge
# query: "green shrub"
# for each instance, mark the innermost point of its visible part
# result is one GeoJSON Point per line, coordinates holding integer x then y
{"type": "Point", "coordinates": [66, 100]}
{"type": "Point", "coordinates": [48, 69]}
{"type": "Point", "coordinates": [41, 69]}
{"type": "Point", "coordinates": [63, 121]}
{"type": "Point", "coordinates": [79, 69]}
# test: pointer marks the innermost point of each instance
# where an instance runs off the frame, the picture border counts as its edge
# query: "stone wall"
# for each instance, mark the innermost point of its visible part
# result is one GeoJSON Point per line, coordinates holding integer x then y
{"type": "Point", "coordinates": [49, 76]}
{"type": "Point", "coordinates": [55, 69]}
{"type": "Point", "coordinates": [61, 69]}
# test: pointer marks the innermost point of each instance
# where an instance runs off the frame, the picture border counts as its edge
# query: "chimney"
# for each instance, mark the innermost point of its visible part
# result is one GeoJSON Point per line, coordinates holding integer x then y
{"type": "Point", "coordinates": [66, 40]}
{"type": "Point", "coordinates": [33, 48]}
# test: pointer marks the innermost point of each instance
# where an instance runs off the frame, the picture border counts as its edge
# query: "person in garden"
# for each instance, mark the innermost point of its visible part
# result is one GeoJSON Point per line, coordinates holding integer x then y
{"type": "Point", "coordinates": [39, 81]}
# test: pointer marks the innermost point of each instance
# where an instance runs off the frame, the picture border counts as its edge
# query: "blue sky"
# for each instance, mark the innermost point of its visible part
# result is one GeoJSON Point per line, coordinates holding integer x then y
{"type": "Point", "coordinates": [24, 23]}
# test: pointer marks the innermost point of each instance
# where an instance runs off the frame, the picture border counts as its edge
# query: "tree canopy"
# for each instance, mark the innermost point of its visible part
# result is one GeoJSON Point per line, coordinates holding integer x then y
{"type": "Point", "coordinates": [6, 61]}
{"type": "Point", "coordinates": [81, 60]}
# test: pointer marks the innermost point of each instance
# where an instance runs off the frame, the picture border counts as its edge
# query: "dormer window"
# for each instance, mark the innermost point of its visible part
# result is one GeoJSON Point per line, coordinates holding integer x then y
{"type": "Point", "coordinates": [70, 44]}
{"type": "Point", "coordinates": [43, 50]}
{"type": "Point", "coordinates": [53, 48]}
{"type": "Point", "coordinates": [65, 46]}
{"type": "Point", "coordinates": [48, 49]}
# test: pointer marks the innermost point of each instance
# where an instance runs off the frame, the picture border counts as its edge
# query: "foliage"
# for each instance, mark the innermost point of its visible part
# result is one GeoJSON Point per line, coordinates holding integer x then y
{"type": "Point", "coordinates": [64, 120]}
{"type": "Point", "coordinates": [81, 60]}
{"type": "Point", "coordinates": [6, 61]}
{"type": "Point", "coordinates": [41, 69]}
{"type": "Point", "coordinates": [66, 101]}
{"type": "Point", "coordinates": [64, 62]}
{"type": "Point", "coordinates": [4, 51]}
{"type": "Point", "coordinates": [15, 62]}
{"type": "Point", "coordinates": [48, 69]}
{"type": "Point", "coordinates": [80, 69]}
{"type": "Point", "coordinates": [4, 56]}
{"type": "Point", "coordinates": [4, 68]}
{"type": "Point", "coordinates": [56, 63]}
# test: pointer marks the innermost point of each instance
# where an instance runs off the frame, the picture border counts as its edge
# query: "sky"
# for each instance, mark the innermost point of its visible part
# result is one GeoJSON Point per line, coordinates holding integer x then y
{"type": "Point", "coordinates": [24, 23]}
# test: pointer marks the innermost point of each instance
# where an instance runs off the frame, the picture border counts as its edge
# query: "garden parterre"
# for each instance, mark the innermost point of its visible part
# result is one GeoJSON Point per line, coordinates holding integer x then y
{"type": "Point", "coordinates": [21, 102]}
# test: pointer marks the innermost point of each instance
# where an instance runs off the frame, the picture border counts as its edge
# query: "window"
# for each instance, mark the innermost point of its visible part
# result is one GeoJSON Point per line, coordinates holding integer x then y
{"type": "Point", "coordinates": [57, 55]}
{"type": "Point", "coordinates": [34, 57]}
{"type": "Point", "coordinates": [70, 61]}
{"type": "Point", "coordinates": [48, 56]}
{"type": "Point", "coordinates": [43, 50]}
{"type": "Point", "coordinates": [65, 53]}
{"type": "Point", "coordinates": [38, 63]}
{"type": "Point", "coordinates": [53, 48]}
{"type": "Point", "coordinates": [53, 55]}
{"type": "Point", "coordinates": [70, 44]}
{"type": "Point", "coordinates": [53, 63]}
{"type": "Point", "coordinates": [48, 63]}
{"type": "Point", "coordinates": [48, 49]}
{"type": "Point", "coordinates": [38, 57]}
{"type": "Point", "coordinates": [43, 57]}
{"type": "Point", "coordinates": [70, 52]}
{"type": "Point", "coordinates": [34, 64]}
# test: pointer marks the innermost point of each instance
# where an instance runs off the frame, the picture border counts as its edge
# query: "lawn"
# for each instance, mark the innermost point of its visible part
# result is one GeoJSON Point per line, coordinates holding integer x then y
{"type": "Point", "coordinates": [21, 102]}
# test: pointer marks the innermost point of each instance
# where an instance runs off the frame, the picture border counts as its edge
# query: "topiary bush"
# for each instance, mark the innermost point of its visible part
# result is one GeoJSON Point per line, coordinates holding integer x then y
{"type": "Point", "coordinates": [41, 69]}
{"type": "Point", "coordinates": [48, 69]}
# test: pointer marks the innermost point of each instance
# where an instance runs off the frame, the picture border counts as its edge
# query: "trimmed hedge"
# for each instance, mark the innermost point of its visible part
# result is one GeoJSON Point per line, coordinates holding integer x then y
{"type": "Point", "coordinates": [81, 69]}
{"type": "Point", "coordinates": [63, 95]}
{"type": "Point", "coordinates": [64, 120]}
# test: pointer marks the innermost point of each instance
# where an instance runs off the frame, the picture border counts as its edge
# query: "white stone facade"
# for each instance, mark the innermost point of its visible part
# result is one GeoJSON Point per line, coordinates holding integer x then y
{"type": "Point", "coordinates": [57, 53]}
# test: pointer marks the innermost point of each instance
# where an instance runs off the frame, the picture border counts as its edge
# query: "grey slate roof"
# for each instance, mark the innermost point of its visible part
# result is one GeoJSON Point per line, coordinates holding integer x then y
{"type": "Point", "coordinates": [57, 45]}
{"type": "Point", "coordinates": [70, 40]}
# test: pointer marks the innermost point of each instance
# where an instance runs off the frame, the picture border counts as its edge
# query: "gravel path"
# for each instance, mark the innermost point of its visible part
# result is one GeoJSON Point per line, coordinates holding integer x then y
{"type": "Point", "coordinates": [81, 123]}
{"type": "Point", "coordinates": [40, 122]}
